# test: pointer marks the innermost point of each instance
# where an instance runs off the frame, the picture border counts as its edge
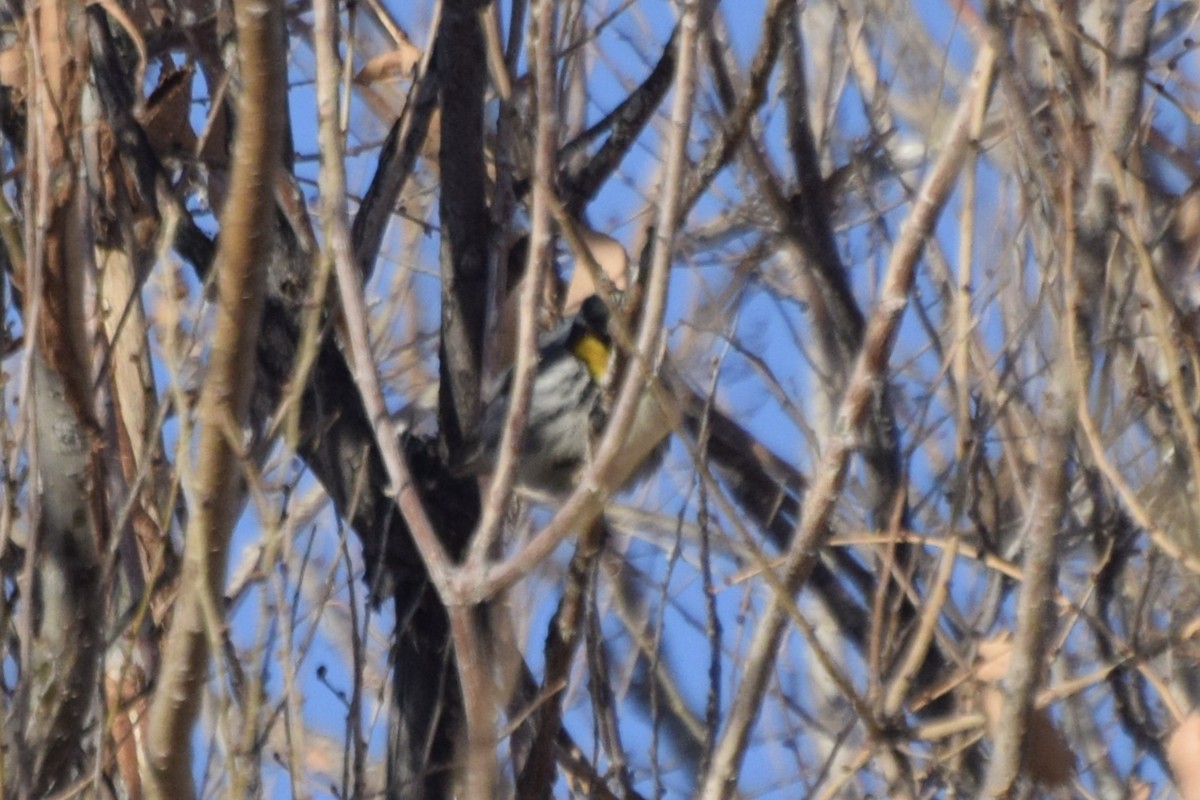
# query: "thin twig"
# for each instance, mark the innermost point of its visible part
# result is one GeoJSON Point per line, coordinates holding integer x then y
{"type": "Point", "coordinates": [825, 489]}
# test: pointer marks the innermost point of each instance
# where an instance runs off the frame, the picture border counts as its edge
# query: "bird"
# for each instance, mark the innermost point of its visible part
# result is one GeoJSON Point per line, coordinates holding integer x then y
{"type": "Point", "coordinates": [568, 407]}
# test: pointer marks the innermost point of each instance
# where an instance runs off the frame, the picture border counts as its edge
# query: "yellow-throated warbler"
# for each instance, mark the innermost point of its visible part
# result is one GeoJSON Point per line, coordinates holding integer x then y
{"type": "Point", "coordinates": [567, 408]}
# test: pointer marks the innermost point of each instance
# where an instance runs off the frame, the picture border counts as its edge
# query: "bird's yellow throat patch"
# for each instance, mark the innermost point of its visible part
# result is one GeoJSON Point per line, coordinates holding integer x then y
{"type": "Point", "coordinates": [594, 353]}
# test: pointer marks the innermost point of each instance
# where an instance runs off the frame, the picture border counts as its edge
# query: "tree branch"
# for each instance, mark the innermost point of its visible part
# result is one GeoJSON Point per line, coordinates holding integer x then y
{"type": "Point", "coordinates": [825, 489]}
{"type": "Point", "coordinates": [225, 398]}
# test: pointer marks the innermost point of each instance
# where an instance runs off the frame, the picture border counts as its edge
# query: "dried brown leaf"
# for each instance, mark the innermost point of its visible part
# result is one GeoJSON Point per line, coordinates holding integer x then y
{"type": "Point", "coordinates": [1047, 757]}
{"type": "Point", "coordinates": [1139, 790]}
{"type": "Point", "coordinates": [995, 656]}
{"type": "Point", "coordinates": [166, 115]}
{"type": "Point", "coordinates": [12, 67]}
{"type": "Point", "coordinates": [396, 63]}
{"type": "Point", "coordinates": [610, 255]}
{"type": "Point", "coordinates": [1183, 754]}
